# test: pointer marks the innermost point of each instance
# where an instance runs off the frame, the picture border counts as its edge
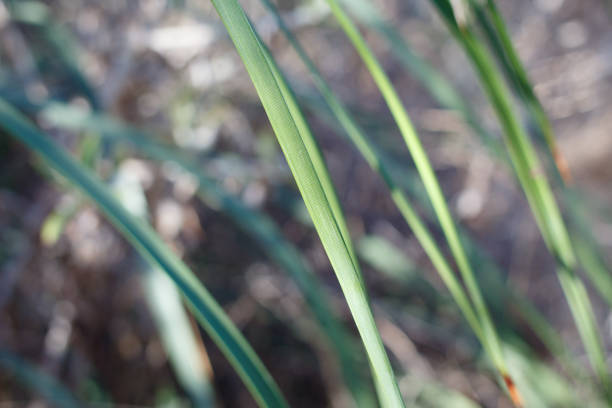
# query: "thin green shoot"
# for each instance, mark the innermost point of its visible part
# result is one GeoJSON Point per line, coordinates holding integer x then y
{"type": "Point", "coordinates": [368, 151]}
{"type": "Point", "coordinates": [432, 186]}
{"type": "Point", "coordinates": [536, 188]}
{"type": "Point", "coordinates": [257, 225]}
{"type": "Point", "coordinates": [309, 171]}
{"type": "Point", "coordinates": [151, 247]}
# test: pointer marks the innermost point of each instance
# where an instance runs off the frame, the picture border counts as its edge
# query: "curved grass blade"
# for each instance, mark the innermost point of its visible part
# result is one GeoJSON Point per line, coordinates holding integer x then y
{"type": "Point", "coordinates": [38, 381]}
{"type": "Point", "coordinates": [150, 246]}
{"type": "Point", "coordinates": [498, 293]}
{"type": "Point", "coordinates": [537, 191]}
{"type": "Point", "coordinates": [502, 297]}
{"type": "Point", "coordinates": [385, 166]}
{"type": "Point", "coordinates": [262, 229]}
{"type": "Point", "coordinates": [442, 90]}
{"type": "Point", "coordinates": [492, 23]}
{"type": "Point", "coordinates": [431, 185]}
{"type": "Point", "coordinates": [37, 17]}
{"type": "Point", "coordinates": [181, 342]}
{"type": "Point", "coordinates": [49, 40]}
{"type": "Point", "coordinates": [523, 366]}
{"type": "Point", "coordinates": [496, 32]}
{"type": "Point", "coordinates": [298, 146]}
{"type": "Point", "coordinates": [368, 151]}
{"type": "Point", "coordinates": [447, 96]}
{"type": "Point", "coordinates": [178, 337]}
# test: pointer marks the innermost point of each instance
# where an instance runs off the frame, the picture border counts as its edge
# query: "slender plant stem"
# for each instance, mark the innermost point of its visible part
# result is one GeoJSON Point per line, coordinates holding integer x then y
{"type": "Point", "coordinates": [210, 315]}
{"type": "Point", "coordinates": [302, 156]}
{"type": "Point", "coordinates": [367, 149]}
{"type": "Point", "coordinates": [261, 228]}
{"type": "Point", "coordinates": [537, 191]}
{"type": "Point", "coordinates": [492, 23]}
{"type": "Point", "coordinates": [430, 181]}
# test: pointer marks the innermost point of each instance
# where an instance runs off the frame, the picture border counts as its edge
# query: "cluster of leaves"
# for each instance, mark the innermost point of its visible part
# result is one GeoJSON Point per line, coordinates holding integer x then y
{"type": "Point", "coordinates": [477, 289]}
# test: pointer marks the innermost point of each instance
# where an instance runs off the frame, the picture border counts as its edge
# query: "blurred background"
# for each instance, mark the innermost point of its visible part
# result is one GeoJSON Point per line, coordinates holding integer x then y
{"type": "Point", "coordinates": [78, 306]}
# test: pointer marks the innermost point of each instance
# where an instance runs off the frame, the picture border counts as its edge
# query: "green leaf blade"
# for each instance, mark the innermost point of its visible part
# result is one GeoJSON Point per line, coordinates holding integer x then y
{"type": "Point", "coordinates": [312, 183]}
{"type": "Point", "coordinates": [151, 247]}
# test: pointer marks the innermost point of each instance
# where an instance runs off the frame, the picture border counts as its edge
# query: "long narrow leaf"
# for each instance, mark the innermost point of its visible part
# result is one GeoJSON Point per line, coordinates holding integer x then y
{"type": "Point", "coordinates": [431, 185]}
{"type": "Point", "coordinates": [497, 34]}
{"type": "Point", "coordinates": [536, 188]}
{"type": "Point", "coordinates": [494, 27]}
{"type": "Point", "coordinates": [37, 381]}
{"type": "Point", "coordinates": [181, 342]}
{"type": "Point", "coordinates": [434, 82]}
{"type": "Point", "coordinates": [261, 228]}
{"type": "Point", "coordinates": [368, 151]}
{"type": "Point", "coordinates": [151, 247]}
{"type": "Point", "coordinates": [301, 155]}
{"type": "Point", "coordinates": [498, 293]}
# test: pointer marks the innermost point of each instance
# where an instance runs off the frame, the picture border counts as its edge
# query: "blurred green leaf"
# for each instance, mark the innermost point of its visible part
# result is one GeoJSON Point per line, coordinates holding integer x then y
{"type": "Point", "coordinates": [178, 337]}
{"type": "Point", "coordinates": [261, 228]}
{"type": "Point", "coordinates": [537, 190]}
{"type": "Point", "coordinates": [151, 247]}
{"type": "Point", "coordinates": [38, 381]}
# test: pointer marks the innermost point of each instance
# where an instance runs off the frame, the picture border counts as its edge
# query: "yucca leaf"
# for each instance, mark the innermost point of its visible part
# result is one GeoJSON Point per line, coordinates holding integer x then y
{"type": "Point", "coordinates": [293, 137]}
{"type": "Point", "coordinates": [151, 247]}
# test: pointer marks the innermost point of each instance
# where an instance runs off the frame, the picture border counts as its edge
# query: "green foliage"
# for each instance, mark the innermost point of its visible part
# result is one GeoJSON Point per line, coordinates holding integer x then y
{"type": "Point", "coordinates": [481, 321]}
{"type": "Point", "coordinates": [37, 380]}
{"type": "Point", "coordinates": [534, 182]}
{"type": "Point", "coordinates": [150, 246]}
{"type": "Point", "coordinates": [308, 168]}
{"type": "Point", "coordinates": [257, 225]}
{"type": "Point", "coordinates": [486, 301]}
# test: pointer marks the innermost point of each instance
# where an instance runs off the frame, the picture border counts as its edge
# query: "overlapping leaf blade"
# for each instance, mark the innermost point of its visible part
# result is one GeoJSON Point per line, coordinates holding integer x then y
{"type": "Point", "coordinates": [489, 334]}
{"type": "Point", "coordinates": [150, 246]}
{"type": "Point", "coordinates": [536, 187]}
{"type": "Point", "coordinates": [309, 171]}
{"type": "Point", "coordinates": [257, 225]}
